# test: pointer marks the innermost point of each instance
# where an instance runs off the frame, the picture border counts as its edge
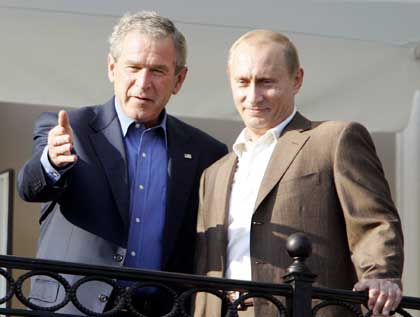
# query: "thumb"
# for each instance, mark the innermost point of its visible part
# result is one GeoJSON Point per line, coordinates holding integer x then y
{"type": "Point", "coordinates": [63, 120]}
{"type": "Point", "coordinates": [360, 286]}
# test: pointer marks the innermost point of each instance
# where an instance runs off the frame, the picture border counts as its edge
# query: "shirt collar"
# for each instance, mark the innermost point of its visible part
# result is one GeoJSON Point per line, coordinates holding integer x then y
{"type": "Point", "coordinates": [243, 142]}
{"type": "Point", "coordinates": [125, 121]}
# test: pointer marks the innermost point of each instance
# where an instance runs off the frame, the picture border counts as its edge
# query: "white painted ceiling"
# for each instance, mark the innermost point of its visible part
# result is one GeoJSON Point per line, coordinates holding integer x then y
{"type": "Point", "coordinates": [357, 55]}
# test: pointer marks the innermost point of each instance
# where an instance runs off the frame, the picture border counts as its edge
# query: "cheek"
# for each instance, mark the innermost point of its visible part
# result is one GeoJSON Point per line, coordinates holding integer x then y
{"type": "Point", "coordinates": [239, 95]}
{"type": "Point", "coordinates": [122, 86]}
{"type": "Point", "coordinates": [124, 78]}
{"type": "Point", "coordinates": [274, 95]}
{"type": "Point", "coordinates": [164, 88]}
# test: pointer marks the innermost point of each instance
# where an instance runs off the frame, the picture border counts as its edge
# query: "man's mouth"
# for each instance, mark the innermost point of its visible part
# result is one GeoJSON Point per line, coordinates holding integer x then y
{"type": "Point", "coordinates": [143, 98]}
{"type": "Point", "coordinates": [256, 110]}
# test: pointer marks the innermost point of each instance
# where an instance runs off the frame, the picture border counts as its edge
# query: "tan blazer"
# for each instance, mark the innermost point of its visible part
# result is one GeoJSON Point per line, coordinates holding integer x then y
{"type": "Point", "coordinates": [324, 179]}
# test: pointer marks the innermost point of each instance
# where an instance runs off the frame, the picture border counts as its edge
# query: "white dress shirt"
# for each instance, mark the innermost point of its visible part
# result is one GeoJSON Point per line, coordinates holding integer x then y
{"type": "Point", "coordinates": [253, 158]}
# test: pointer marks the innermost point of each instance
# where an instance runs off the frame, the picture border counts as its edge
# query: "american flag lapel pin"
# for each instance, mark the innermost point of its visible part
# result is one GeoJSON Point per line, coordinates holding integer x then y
{"type": "Point", "coordinates": [187, 156]}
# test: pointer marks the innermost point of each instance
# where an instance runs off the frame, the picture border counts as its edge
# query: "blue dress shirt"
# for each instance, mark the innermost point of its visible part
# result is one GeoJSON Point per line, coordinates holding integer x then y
{"type": "Point", "coordinates": [147, 160]}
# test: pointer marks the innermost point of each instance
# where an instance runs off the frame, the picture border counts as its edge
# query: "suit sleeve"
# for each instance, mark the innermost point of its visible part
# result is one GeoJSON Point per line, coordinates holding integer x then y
{"type": "Point", "coordinates": [32, 182]}
{"type": "Point", "coordinates": [372, 222]}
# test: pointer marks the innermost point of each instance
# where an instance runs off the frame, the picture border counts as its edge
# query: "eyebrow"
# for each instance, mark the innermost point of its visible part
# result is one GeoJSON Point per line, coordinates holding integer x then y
{"type": "Point", "coordinates": [257, 79]}
{"type": "Point", "coordinates": [158, 66]}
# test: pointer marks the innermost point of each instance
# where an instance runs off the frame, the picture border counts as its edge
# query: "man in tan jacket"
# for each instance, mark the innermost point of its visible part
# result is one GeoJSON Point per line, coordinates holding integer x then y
{"type": "Point", "coordinates": [288, 174]}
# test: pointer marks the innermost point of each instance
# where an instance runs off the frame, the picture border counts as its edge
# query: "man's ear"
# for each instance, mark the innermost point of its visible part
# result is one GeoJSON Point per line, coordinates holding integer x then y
{"type": "Point", "coordinates": [180, 77]}
{"type": "Point", "coordinates": [298, 80]}
{"type": "Point", "coordinates": [111, 68]}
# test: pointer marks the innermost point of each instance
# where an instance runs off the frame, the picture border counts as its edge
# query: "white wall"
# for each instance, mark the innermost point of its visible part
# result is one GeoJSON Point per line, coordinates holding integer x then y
{"type": "Point", "coordinates": [408, 189]}
{"type": "Point", "coordinates": [54, 53]}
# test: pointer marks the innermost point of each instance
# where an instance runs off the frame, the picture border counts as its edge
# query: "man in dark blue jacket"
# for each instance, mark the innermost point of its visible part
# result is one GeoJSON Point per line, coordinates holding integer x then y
{"type": "Point", "coordinates": [120, 180]}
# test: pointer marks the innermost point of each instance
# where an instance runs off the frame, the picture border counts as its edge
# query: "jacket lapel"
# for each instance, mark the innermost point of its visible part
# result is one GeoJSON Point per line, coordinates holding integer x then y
{"type": "Point", "coordinates": [108, 143]}
{"type": "Point", "coordinates": [288, 146]}
{"type": "Point", "coordinates": [182, 166]}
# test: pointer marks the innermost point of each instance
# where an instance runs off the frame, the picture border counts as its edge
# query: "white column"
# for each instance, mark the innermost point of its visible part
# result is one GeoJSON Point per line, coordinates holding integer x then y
{"type": "Point", "coordinates": [408, 196]}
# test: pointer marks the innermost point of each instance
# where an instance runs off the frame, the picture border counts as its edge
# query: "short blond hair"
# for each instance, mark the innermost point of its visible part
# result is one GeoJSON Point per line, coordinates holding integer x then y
{"type": "Point", "coordinates": [263, 36]}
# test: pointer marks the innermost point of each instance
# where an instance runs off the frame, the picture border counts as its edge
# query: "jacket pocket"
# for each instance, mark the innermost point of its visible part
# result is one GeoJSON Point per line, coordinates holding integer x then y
{"type": "Point", "coordinates": [44, 289]}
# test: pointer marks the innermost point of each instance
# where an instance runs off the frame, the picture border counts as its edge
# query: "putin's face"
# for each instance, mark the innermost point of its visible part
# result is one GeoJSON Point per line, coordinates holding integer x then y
{"type": "Point", "coordinates": [263, 89]}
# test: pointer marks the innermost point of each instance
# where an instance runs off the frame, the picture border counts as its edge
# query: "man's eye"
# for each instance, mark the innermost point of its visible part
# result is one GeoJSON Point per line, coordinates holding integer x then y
{"type": "Point", "coordinates": [158, 71]}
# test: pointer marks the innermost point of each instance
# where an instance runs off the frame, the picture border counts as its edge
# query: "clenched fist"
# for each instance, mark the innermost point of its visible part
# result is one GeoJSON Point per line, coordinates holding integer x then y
{"type": "Point", "coordinates": [60, 142]}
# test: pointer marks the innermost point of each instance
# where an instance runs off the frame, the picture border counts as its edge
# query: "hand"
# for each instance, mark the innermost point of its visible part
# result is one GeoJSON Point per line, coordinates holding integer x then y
{"type": "Point", "coordinates": [60, 142]}
{"type": "Point", "coordinates": [384, 295]}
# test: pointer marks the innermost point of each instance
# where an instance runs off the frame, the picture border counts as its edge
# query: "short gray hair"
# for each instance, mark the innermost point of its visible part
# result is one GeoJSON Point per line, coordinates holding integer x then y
{"type": "Point", "coordinates": [150, 24]}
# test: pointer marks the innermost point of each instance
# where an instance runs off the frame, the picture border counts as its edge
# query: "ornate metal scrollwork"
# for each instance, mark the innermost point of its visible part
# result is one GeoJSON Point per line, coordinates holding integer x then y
{"type": "Point", "coordinates": [55, 276]}
{"type": "Point", "coordinates": [231, 312]}
{"type": "Point", "coordinates": [73, 296]}
{"type": "Point", "coordinates": [138, 286]}
{"type": "Point", "coordinates": [280, 307]}
{"type": "Point", "coordinates": [400, 311]}
{"type": "Point", "coordinates": [350, 307]}
{"type": "Point", "coordinates": [11, 286]}
{"type": "Point", "coordinates": [298, 290]}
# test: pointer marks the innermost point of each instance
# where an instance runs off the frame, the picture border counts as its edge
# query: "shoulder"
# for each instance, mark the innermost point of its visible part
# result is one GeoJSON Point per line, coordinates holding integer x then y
{"type": "Point", "coordinates": [341, 138]}
{"type": "Point", "coordinates": [194, 134]}
{"type": "Point", "coordinates": [337, 129]}
{"type": "Point", "coordinates": [84, 114]}
{"type": "Point", "coordinates": [325, 128]}
{"type": "Point", "coordinates": [75, 114]}
{"type": "Point", "coordinates": [226, 162]}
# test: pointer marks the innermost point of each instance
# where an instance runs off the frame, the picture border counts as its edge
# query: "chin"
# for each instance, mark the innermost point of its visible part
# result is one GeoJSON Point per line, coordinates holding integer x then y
{"type": "Point", "coordinates": [136, 114]}
{"type": "Point", "coordinates": [257, 122]}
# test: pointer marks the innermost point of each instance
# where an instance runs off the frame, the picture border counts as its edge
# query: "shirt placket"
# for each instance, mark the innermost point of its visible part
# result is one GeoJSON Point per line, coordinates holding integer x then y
{"type": "Point", "coordinates": [136, 216]}
{"type": "Point", "coordinates": [142, 177]}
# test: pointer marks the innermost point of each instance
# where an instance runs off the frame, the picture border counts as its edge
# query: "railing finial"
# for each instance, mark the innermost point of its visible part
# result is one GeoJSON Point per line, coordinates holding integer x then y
{"type": "Point", "coordinates": [299, 247]}
{"type": "Point", "coordinates": [299, 276]}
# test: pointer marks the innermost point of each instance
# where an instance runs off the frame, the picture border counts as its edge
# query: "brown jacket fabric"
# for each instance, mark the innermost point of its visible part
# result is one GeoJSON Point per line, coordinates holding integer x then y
{"type": "Point", "coordinates": [324, 179]}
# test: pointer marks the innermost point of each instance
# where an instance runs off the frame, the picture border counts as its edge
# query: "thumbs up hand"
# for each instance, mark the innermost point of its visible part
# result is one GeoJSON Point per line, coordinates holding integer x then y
{"type": "Point", "coordinates": [60, 142]}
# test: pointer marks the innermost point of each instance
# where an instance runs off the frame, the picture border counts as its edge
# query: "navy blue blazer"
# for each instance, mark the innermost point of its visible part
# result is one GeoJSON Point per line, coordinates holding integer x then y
{"type": "Point", "coordinates": [94, 194]}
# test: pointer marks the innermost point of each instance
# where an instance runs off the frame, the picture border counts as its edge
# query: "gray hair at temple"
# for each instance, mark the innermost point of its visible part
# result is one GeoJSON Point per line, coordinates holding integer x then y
{"type": "Point", "coordinates": [150, 24]}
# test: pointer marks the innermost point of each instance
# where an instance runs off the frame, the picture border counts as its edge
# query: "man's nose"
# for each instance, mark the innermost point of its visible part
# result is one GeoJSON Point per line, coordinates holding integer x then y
{"type": "Point", "coordinates": [254, 95]}
{"type": "Point", "coordinates": [143, 79]}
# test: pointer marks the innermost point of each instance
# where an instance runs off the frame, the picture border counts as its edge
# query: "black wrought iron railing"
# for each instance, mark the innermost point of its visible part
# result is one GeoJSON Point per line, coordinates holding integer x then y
{"type": "Point", "coordinates": [297, 297]}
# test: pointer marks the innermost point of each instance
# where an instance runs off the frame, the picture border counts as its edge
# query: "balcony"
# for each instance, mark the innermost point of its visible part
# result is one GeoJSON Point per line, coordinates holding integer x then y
{"type": "Point", "coordinates": [296, 297]}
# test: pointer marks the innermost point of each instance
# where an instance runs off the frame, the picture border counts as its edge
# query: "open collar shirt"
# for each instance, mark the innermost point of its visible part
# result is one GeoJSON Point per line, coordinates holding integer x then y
{"type": "Point", "coordinates": [253, 158]}
{"type": "Point", "coordinates": [147, 165]}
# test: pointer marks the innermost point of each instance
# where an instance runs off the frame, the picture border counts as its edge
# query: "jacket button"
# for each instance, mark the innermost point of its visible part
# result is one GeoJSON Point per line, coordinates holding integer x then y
{"type": "Point", "coordinates": [257, 223]}
{"type": "Point", "coordinates": [118, 258]}
{"type": "Point", "coordinates": [103, 298]}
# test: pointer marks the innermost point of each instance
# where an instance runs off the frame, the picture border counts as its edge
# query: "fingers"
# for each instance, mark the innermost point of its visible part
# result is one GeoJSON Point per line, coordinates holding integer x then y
{"type": "Point", "coordinates": [384, 296]}
{"type": "Point", "coordinates": [60, 142]}
{"type": "Point", "coordinates": [60, 139]}
{"type": "Point", "coordinates": [63, 120]}
{"type": "Point", "coordinates": [392, 300]}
